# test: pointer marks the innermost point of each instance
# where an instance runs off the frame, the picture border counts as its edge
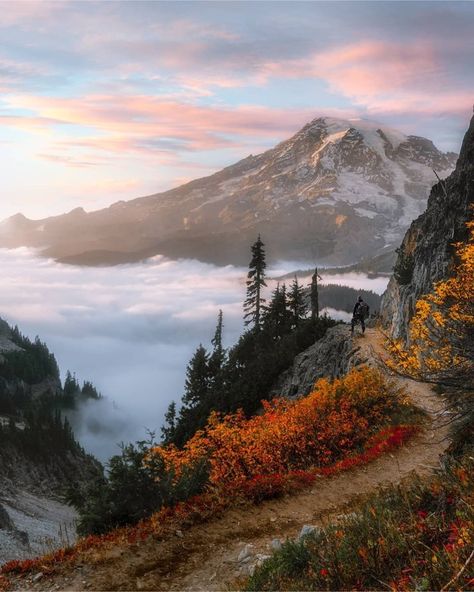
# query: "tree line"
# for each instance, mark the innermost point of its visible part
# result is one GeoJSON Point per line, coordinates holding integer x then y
{"type": "Point", "coordinates": [37, 424]}
{"type": "Point", "coordinates": [222, 379]}
{"type": "Point", "coordinates": [225, 380]}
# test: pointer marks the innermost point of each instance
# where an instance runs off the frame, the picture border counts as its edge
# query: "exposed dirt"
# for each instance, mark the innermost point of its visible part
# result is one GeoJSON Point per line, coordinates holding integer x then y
{"type": "Point", "coordinates": [205, 556]}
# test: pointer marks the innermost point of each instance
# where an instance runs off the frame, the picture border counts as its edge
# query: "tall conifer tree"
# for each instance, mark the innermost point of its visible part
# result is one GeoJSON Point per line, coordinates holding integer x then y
{"type": "Point", "coordinates": [217, 360]}
{"type": "Point", "coordinates": [169, 429]}
{"type": "Point", "coordinates": [255, 282]}
{"type": "Point", "coordinates": [277, 316]}
{"type": "Point", "coordinates": [297, 302]}
{"type": "Point", "coordinates": [315, 295]}
{"type": "Point", "coordinates": [197, 379]}
{"type": "Point", "coordinates": [218, 352]}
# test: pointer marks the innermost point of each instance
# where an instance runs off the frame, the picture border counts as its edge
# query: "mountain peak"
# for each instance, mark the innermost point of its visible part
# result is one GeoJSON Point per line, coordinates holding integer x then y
{"type": "Point", "coordinates": [77, 212]}
{"type": "Point", "coordinates": [336, 191]}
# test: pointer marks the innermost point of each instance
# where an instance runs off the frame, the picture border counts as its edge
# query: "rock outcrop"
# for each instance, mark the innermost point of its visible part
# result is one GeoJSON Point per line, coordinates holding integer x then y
{"type": "Point", "coordinates": [427, 251]}
{"type": "Point", "coordinates": [330, 357]}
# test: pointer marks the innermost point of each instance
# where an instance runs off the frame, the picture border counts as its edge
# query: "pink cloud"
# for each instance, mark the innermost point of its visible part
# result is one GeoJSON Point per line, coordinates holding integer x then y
{"type": "Point", "coordinates": [25, 11]}
{"type": "Point", "coordinates": [382, 77]}
{"type": "Point", "coordinates": [68, 160]}
{"type": "Point", "coordinates": [372, 68]}
{"type": "Point", "coordinates": [150, 125]}
{"type": "Point", "coordinates": [28, 123]}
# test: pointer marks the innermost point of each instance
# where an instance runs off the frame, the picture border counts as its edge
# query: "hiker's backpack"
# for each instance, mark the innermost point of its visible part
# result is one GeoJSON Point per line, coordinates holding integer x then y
{"type": "Point", "coordinates": [363, 310]}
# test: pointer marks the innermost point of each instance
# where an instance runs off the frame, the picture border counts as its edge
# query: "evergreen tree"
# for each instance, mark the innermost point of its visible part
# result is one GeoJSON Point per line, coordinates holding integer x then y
{"type": "Point", "coordinates": [197, 379]}
{"type": "Point", "coordinates": [276, 316]}
{"type": "Point", "coordinates": [71, 386]}
{"type": "Point", "coordinates": [71, 389]}
{"type": "Point", "coordinates": [255, 282]}
{"type": "Point", "coordinates": [404, 266]}
{"type": "Point", "coordinates": [217, 362]}
{"type": "Point", "coordinates": [297, 302]}
{"type": "Point", "coordinates": [218, 353]}
{"type": "Point", "coordinates": [89, 391]}
{"type": "Point", "coordinates": [169, 429]}
{"type": "Point", "coordinates": [314, 295]}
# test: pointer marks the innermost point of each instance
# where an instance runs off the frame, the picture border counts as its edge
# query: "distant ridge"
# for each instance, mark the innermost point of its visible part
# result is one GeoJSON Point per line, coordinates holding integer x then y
{"type": "Point", "coordinates": [336, 192]}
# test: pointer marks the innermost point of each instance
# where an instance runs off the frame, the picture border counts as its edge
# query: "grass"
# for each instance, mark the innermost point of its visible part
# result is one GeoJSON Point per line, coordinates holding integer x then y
{"type": "Point", "coordinates": [417, 536]}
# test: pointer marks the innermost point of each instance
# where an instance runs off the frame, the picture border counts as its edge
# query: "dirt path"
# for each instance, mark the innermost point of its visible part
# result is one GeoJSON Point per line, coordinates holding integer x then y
{"type": "Point", "coordinates": [206, 556]}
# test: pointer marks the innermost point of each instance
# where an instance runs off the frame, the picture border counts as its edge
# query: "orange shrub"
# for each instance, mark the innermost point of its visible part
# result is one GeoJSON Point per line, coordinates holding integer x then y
{"type": "Point", "coordinates": [334, 420]}
{"type": "Point", "coordinates": [441, 331]}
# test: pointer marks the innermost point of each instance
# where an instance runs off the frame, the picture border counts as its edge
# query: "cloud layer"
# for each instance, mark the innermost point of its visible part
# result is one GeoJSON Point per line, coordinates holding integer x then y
{"type": "Point", "coordinates": [130, 329]}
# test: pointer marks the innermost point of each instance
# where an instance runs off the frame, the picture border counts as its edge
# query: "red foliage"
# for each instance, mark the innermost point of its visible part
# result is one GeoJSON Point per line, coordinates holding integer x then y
{"type": "Point", "coordinates": [331, 422]}
{"type": "Point", "coordinates": [265, 457]}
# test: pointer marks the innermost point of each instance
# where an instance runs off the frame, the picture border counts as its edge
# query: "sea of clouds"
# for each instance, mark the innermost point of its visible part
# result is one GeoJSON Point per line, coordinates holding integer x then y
{"type": "Point", "coordinates": [130, 329]}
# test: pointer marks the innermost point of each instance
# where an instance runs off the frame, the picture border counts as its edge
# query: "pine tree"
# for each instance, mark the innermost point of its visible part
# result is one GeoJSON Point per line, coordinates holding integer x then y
{"type": "Point", "coordinates": [71, 389]}
{"type": "Point", "coordinates": [169, 429]}
{"type": "Point", "coordinates": [276, 316]}
{"type": "Point", "coordinates": [196, 385]}
{"type": "Point", "coordinates": [218, 353]}
{"type": "Point", "coordinates": [315, 295]}
{"type": "Point", "coordinates": [89, 391]}
{"type": "Point", "coordinates": [297, 302]}
{"type": "Point", "coordinates": [255, 282]}
{"type": "Point", "coordinates": [217, 360]}
{"type": "Point", "coordinates": [71, 386]}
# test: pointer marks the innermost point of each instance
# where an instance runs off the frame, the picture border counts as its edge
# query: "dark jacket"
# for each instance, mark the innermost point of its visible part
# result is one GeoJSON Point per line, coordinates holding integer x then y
{"type": "Point", "coordinates": [357, 306]}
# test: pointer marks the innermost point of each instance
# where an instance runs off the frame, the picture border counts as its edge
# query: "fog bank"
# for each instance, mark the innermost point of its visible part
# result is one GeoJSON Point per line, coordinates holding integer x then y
{"type": "Point", "coordinates": [130, 329]}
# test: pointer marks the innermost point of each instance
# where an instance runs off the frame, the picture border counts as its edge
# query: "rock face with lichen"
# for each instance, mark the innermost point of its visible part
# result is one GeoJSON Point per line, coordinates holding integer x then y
{"type": "Point", "coordinates": [330, 357]}
{"type": "Point", "coordinates": [427, 252]}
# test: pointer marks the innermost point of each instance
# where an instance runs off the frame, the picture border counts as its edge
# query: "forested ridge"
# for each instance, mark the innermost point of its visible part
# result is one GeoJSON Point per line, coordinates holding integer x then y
{"type": "Point", "coordinates": [33, 404]}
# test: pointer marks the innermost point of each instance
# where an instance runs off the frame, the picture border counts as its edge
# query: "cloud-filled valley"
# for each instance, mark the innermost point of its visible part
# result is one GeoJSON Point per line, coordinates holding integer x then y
{"type": "Point", "coordinates": [130, 329]}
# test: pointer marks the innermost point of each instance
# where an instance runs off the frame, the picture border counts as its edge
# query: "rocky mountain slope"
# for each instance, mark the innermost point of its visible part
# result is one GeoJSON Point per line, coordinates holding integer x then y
{"type": "Point", "coordinates": [426, 254]}
{"type": "Point", "coordinates": [336, 192]}
{"type": "Point", "coordinates": [39, 456]}
{"type": "Point", "coordinates": [330, 357]}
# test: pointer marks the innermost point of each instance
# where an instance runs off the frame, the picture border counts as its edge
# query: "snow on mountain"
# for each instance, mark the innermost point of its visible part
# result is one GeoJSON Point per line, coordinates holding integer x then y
{"type": "Point", "coordinates": [337, 191]}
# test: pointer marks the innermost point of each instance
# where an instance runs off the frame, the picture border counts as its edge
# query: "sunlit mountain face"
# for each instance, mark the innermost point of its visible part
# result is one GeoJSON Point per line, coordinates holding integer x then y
{"type": "Point", "coordinates": [337, 191]}
{"type": "Point", "coordinates": [146, 96]}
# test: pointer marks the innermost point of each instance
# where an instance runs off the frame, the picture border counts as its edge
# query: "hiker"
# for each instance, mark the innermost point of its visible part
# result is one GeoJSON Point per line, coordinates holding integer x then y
{"type": "Point", "coordinates": [361, 312]}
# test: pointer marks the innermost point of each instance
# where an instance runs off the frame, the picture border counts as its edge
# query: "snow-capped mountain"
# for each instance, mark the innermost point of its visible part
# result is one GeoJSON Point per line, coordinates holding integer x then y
{"type": "Point", "coordinates": [337, 191]}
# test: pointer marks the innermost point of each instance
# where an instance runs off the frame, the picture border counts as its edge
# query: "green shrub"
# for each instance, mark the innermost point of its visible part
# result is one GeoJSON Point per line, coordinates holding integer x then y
{"type": "Point", "coordinates": [132, 490]}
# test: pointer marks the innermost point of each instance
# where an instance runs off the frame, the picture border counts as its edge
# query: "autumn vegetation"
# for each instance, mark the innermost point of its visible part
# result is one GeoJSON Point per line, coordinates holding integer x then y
{"type": "Point", "coordinates": [236, 460]}
{"type": "Point", "coordinates": [415, 536]}
{"type": "Point", "coordinates": [418, 535]}
{"type": "Point", "coordinates": [336, 420]}
{"type": "Point", "coordinates": [441, 345]}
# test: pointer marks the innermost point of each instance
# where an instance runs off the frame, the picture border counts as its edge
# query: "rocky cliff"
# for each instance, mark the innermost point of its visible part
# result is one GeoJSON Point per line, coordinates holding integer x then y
{"type": "Point", "coordinates": [427, 254]}
{"type": "Point", "coordinates": [330, 357]}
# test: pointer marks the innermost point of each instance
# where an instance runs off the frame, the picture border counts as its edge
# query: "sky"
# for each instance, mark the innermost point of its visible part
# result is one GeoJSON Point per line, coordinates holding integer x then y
{"type": "Point", "coordinates": [103, 101]}
{"type": "Point", "coordinates": [130, 329]}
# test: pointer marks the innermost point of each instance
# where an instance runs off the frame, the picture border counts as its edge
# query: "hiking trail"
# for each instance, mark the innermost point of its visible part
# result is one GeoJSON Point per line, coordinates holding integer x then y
{"type": "Point", "coordinates": [205, 557]}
